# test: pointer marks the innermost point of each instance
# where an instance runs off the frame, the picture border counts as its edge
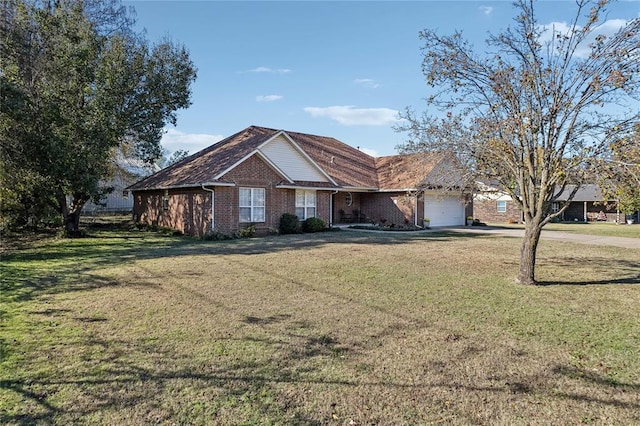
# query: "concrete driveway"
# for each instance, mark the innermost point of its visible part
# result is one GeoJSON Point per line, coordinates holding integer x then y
{"type": "Point", "coordinates": [625, 242]}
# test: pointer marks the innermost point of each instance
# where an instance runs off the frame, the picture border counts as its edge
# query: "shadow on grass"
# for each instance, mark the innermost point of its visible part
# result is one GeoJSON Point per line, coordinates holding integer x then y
{"type": "Point", "coordinates": [66, 265]}
{"type": "Point", "coordinates": [591, 376]}
{"type": "Point", "coordinates": [612, 271]}
{"type": "Point", "coordinates": [140, 377]}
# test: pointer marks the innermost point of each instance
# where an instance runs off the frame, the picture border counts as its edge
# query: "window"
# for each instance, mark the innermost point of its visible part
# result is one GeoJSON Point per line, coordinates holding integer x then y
{"type": "Point", "coordinates": [555, 207]}
{"type": "Point", "coordinates": [305, 204]}
{"type": "Point", "coordinates": [502, 206]}
{"type": "Point", "coordinates": [165, 200]}
{"type": "Point", "coordinates": [251, 204]}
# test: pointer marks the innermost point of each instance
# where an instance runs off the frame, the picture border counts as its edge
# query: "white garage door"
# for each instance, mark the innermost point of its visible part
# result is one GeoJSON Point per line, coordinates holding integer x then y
{"type": "Point", "coordinates": [444, 211]}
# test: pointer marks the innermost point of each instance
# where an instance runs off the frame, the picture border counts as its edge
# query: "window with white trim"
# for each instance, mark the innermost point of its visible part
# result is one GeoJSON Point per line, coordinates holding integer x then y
{"type": "Point", "coordinates": [251, 204]}
{"type": "Point", "coordinates": [305, 203]}
{"type": "Point", "coordinates": [502, 206]}
{"type": "Point", "coordinates": [555, 207]}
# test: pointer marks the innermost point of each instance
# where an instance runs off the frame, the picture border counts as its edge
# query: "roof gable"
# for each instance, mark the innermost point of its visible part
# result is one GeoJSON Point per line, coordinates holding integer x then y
{"type": "Point", "coordinates": [203, 166]}
{"type": "Point", "coordinates": [287, 156]}
{"type": "Point", "coordinates": [347, 166]}
{"type": "Point", "coordinates": [300, 158]}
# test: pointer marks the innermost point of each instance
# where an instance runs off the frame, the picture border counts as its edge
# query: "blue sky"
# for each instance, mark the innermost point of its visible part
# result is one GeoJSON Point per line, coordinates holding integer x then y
{"type": "Point", "coordinates": [339, 69]}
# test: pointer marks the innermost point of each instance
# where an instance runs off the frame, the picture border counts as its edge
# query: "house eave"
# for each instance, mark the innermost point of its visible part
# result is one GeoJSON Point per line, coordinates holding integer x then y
{"type": "Point", "coordinates": [358, 189]}
{"type": "Point", "coordinates": [313, 188]}
{"type": "Point", "coordinates": [191, 185]}
{"type": "Point", "coordinates": [397, 190]}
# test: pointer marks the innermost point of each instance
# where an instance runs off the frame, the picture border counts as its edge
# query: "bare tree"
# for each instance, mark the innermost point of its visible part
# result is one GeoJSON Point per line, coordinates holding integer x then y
{"type": "Point", "coordinates": [534, 112]}
{"type": "Point", "coordinates": [619, 174]}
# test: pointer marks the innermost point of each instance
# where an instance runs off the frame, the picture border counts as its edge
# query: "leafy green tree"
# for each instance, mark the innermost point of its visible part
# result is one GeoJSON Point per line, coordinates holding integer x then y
{"type": "Point", "coordinates": [80, 86]}
{"type": "Point", "coordinates": [619, 172]}
{"type": "Point", "coordinates": [535, 110]}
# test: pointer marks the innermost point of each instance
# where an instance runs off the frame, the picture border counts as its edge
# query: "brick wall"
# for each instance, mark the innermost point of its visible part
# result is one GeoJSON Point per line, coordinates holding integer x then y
{"type": "Point", "coordinates": [487, 211]}
{"type": "Point", "coordinates": [340, 208]}
{"type": "Point", "coordinates": [393, 208]}
{"type": "Point", "coordinates": [189, 210]}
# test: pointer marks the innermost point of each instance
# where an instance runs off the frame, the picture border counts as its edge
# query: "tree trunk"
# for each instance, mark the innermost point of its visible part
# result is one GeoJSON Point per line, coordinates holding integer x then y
{"type": "Point", "coordinates": [70, 215]}
{"type": "Point", "coordinates": [526, 275]}
{"type": "Point", "coordinates": [72, 222]}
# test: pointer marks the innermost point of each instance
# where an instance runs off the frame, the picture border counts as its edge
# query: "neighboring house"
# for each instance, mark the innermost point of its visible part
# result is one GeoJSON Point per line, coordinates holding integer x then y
{"type": "Point", "coordinates": [588, 205]}
{"type": "Point", "coordinates": [256, 175]}
{"type": "Point", "coordinates": [127, 172]}
{"type": "Point", "coordinates": [493, 205]}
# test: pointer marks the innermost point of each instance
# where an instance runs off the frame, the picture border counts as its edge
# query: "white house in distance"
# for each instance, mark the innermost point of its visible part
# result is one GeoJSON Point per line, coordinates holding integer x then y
{"type": "Point", "coordinates": [128, 171]}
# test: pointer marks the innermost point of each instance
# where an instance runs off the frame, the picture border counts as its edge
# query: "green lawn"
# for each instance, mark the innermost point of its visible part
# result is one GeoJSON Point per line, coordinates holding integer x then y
{"type": "Point", "coordinates": [591, 228]}
{"type": "Point", "coordinates": [335, 328]}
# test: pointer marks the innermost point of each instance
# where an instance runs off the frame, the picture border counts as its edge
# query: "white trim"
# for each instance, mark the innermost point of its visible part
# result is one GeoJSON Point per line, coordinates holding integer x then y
{"type": "Point", "coordinates": [313, 188]}
{"type": "Point", "coordinates": [191, 185]}
{"type": "Point", "coordinates": [246, 157]}
{"type": "Point", "coordinates": [273, 166]}
{"type": "Point", "coordinates": [301, 151]}
{"type": "Point", "coordinates": [213, 207]}
{"type": "Point", "coordinates": [398, 190]}
{"type": "Point", "coordinates": [305, 206]}
{"type": "Point", "coordinates": [234, 165]}
{"type": "Point", "coordinates": [251, 206]}
{"type": "Point", "coordinates": [359, 189]}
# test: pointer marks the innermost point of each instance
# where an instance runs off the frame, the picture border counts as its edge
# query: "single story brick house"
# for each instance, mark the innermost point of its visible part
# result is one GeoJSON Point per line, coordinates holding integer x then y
{"type": "Point", "coordinates": [588, 205]}
{"type": "Point", "coordinates": [257, 174]}
{"type": "Point", "coordinates": [493, 205]}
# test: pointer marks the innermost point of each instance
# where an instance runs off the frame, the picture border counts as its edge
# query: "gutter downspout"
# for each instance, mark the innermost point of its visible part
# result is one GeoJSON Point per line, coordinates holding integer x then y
{"type": "Point", "coordinates": [415, 214]}
{"type": "Point", "coordinates": [213, 205]}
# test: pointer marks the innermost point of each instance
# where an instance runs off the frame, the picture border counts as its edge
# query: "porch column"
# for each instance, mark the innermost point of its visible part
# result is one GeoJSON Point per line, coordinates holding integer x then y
{"type": "Point", "coordinates": [585, 211]}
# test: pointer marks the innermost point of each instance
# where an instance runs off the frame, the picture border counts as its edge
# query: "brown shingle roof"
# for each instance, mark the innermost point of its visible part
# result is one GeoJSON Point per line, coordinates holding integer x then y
{"type": "Point", "coordinates": [406, 171]}
{"type": "Point", "coordinates": [204, 166]}
{"type": "Point", "coordinates": [347, 166]}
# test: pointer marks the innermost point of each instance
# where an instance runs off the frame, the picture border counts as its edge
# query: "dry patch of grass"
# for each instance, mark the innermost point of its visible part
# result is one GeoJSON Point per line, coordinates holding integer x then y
{"type": "Point", "coordinates": [338, 328]}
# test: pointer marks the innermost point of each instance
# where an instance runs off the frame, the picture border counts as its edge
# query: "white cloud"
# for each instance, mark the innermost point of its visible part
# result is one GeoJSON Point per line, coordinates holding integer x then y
{"type": "Point", "coordinates": [268, 98]}
{"type": "Point", "coordinates": [349, 115]}
{"type": "Point", "coordinates": [174, 139]}
{"type": "Point", "coordinates": [486, 10]}
{"type": "Point", "coordinates": [608, 28]}
{"type": "Point", "coordinates": [270, 70]}
{"type": "Point", "coordinates": [367, 82]}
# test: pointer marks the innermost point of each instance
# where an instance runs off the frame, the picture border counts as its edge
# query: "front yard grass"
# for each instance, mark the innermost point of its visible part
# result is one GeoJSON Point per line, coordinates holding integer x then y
{"type": "Point", "coordinates": [598, 228]}
{"type": "Point", "coordinates": [603, 229]}
{"type": "Point", "coordinates": [334, 328]}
